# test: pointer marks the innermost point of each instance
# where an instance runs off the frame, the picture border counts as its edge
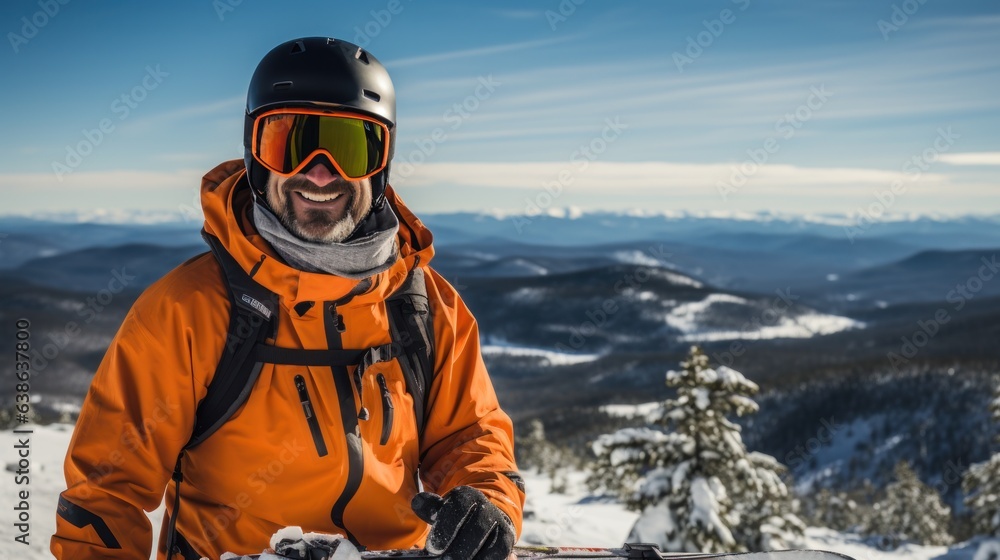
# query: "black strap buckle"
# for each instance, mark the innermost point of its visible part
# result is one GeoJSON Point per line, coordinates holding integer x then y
{"type": "Point", "coordinates": [642, 551]}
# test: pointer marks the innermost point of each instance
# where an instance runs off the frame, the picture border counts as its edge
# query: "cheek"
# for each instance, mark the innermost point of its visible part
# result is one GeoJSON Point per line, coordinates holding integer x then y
{"type": "Point", "coordinates": [275, 194]}
{"type": "Point", "coordinates": [363, 197]}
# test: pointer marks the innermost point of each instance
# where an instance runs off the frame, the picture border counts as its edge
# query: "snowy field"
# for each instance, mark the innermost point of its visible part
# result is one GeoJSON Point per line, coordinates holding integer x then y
{"type": "Point", "coordinates": [572, 519]}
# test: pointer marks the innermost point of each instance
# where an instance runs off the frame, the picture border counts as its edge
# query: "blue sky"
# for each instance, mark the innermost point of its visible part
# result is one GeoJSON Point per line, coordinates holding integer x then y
{"type": "Point", "coordinates": [709, 105]}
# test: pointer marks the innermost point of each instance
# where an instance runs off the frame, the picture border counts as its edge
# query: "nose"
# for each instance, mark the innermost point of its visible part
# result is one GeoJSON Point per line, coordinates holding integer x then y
{"type": "Point", "coordinates": [320, 175]}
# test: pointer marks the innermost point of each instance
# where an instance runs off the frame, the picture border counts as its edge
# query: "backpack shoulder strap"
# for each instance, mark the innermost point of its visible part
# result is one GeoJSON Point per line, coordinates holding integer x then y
{"type": "Point", "coordinates": [412, 328]}
{"type": "Point", "coordinates": [252, 320]}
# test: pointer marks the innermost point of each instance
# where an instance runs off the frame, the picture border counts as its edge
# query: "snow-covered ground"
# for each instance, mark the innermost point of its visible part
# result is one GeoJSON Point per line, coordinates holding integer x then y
{"type": "Point", "coordinates": [48, 449]}
{"type": "Point", "coordinates": [688, 318]}
{"type": "Point", "coordinates": [575, 518]}
{"type": "Point", "coordinates": [551, 357]}
{"type": "Point", "coordinates": [642, 410]}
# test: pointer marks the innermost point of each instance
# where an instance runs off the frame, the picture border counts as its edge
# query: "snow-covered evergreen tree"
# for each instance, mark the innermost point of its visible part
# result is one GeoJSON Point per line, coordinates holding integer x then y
{"type": "Point", "coordinates": [536, 451]}
{"type": "Point", "coordinates": [911, 511]}
{"type": "Point", "coordinates": [698, 488]}
{"type": "Point", "coordinates": [982, 486]}
{"type": "Point", "coordinates": [835, 510]}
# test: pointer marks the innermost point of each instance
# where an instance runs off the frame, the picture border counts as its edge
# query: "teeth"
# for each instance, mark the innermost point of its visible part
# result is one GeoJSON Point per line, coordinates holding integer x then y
{"type": "Point", "coordinates": [319, 198]}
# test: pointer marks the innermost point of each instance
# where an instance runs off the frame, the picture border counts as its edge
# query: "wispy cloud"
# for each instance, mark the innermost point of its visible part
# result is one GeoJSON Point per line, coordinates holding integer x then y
{"type": "Point", "coordinates": [480, 51]}
{"type": "Point", "coordinates": [975, 158]}
{"type": "Point", "coordinates": [228, 106]}
{"type": "Point", "coordinates": [602, 177]}
{"type": "Point", "coordinates": [518, 14]}
{"type": "Point", "coordinates": [94, 181]}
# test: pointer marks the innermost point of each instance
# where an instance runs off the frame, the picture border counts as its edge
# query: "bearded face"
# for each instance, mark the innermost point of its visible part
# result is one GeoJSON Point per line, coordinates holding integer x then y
{"type": "Point", "coordinates": [318, 205]}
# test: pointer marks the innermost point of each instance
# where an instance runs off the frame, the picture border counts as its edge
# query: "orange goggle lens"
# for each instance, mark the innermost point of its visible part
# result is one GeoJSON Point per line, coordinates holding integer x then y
{"type": "Point", "coordinates": [284, 141]}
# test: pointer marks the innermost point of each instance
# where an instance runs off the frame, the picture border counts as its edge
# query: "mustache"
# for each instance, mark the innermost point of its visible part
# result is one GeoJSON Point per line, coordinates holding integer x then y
{"type": "Point", "coordinates": [305, 185]}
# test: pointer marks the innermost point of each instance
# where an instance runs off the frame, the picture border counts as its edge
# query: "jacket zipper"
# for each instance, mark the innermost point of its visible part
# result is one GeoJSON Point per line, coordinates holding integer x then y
{"type": "Point", "coordinates": [387, 409]}
{"type": "Point", "coordinates": [307, 408]}
{"type": "Point", "coordinates": [334, 326]}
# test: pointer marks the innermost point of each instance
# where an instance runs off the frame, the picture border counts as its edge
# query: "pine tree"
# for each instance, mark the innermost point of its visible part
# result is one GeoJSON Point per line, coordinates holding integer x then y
{"type": "Point", "coordinates": [536, 451]}
{"type": "Point", "coordinates": [698, 488]}
{"type": "Point", "coordinates": [982, 486]}
{"type": "Point", "coordinates": [911, 511]}
{"type": "Point", "coordinates": [835, 510]}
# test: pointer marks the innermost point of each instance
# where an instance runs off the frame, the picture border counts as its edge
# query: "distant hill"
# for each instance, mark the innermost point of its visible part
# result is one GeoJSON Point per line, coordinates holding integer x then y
{"type": "Point", "coordinates": [928, 276]}
{"type": "Point", "coordinates": [91, 269]}
{"type": "Point", "coordinates": [26, 239]}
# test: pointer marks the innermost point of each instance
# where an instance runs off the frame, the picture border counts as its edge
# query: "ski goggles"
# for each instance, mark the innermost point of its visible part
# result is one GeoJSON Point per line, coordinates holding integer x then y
{"type": "Point", "coordinates": [286, 140]}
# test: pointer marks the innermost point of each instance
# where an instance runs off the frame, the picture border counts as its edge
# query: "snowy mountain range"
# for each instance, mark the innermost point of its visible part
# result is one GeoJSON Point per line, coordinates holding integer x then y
{"type": "Point", "coordinates": [580, 310]}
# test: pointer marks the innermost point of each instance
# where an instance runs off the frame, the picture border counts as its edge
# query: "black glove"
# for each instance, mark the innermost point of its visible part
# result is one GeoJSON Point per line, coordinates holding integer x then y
{"type": "Point", "coordinates": [465, 525]}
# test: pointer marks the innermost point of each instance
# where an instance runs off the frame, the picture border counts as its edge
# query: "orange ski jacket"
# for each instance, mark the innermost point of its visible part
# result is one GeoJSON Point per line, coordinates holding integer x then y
{"type": "Point", "coordinates": [263, 470]}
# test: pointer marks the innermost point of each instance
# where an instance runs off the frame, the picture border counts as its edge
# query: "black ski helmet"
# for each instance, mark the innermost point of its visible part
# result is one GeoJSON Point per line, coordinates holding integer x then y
{"type": "Point", "coordinates": [319, 72]}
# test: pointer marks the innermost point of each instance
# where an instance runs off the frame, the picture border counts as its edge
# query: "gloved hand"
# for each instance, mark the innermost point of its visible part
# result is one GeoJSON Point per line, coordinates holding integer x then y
{"type": "Point", "coordinates": [465, 525]}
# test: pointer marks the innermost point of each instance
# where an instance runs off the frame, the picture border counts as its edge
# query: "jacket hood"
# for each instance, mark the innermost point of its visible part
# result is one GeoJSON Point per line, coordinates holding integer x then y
{"type": "Point", "coordinates": [228, 206]}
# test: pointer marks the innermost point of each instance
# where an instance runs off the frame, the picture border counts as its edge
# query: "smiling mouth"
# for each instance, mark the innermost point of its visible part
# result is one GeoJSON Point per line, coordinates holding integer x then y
{"type": "Point", "coordinates": [314, 197]}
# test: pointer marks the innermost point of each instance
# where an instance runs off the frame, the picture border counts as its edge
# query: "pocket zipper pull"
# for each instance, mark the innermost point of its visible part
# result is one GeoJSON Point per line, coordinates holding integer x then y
{"type": "Point", "coordinates": [386, 409]}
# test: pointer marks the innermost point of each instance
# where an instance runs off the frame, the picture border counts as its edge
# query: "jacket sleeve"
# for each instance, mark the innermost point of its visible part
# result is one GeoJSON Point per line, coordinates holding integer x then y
{"type": "Point", "coordinates": [136, 417]}
{"type": "Point", "coordinates": [468, 440]}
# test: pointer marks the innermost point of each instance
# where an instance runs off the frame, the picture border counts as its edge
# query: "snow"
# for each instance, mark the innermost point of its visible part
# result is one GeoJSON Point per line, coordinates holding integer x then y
{"type": "Point", "coordinates": [833, 446]}
{"type": "Point", "coordinates": [637, 257]}
{"type": "Point", "coordinates": [701, 398]}
{"type": "Point", "coordinates": [48, 449]}
{"type": "Point", "coordinates": [759, 216]}
{"type": "Point", "coordinates": [551, 357]}
{"type": "Point", "coordinates": [572, 519]}
{"type": "Point", "coordinates": [676, 279]}
{"type": "Point", "coordinates": [631, 410]}
{"type": "Point", "coordinates": [656, 522]}
{"type": "Point", "coordinates": [527, 295]}
{"type": "Point", "coordinates": [856, 547]}
{"type": "Point", "coordinates": [575, 518]}
{"type": "Point", "coordinates": [686, 319]}
{"type": "Point", "coordinates": [989, 550]}
{"type": "Point", "coordinates": [705, 498]}
{"type": "Point", "coordinates": [538, 270]}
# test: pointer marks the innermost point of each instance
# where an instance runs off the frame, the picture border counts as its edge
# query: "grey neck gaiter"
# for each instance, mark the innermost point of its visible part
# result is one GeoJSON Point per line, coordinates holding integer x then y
{"type": "Point", "coordinates": [354, 259]}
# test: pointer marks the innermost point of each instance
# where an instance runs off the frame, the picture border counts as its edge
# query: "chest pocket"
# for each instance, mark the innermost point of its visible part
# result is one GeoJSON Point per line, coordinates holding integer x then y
{"type": "Point", "coordinates": [390, 430]}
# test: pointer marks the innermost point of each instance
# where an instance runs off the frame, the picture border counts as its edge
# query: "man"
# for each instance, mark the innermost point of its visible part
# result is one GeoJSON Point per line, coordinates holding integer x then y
{"type": "Point", "coordinates": [307, 234]}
